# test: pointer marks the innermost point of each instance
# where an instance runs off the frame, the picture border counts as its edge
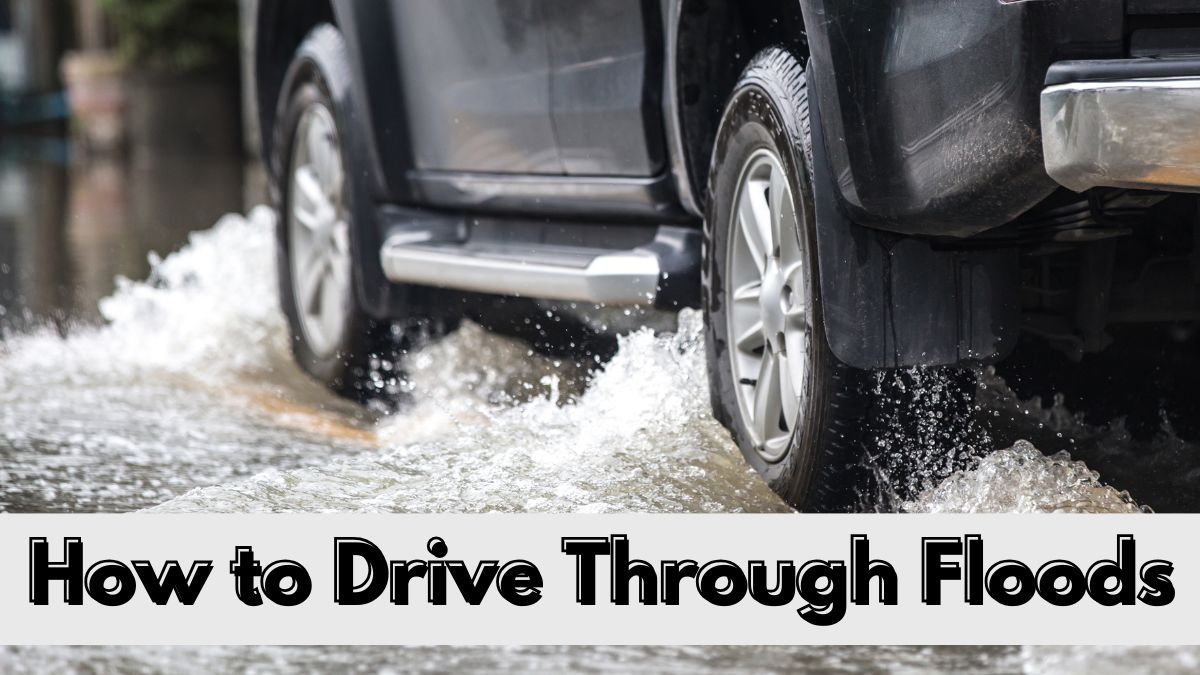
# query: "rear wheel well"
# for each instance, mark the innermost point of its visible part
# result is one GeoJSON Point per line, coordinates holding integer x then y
{"type": "Point", "coordinates": [281, 26]}
{"type": "Point", "coordinates": [716, 40]}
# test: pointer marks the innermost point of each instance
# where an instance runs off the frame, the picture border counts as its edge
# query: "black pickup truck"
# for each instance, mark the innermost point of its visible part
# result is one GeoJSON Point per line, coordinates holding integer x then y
{"type": "Point", "coordinates": [843, 185]}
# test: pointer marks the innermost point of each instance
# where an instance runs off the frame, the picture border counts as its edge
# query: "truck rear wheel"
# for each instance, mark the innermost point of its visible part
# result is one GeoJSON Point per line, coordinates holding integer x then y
{"type": "Point", "coordinates": [792, 408]}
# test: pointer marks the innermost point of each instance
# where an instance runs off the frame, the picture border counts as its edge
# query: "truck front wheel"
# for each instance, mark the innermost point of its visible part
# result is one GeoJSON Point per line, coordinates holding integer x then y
{"type": "Point", "coordinates": [793, 409]}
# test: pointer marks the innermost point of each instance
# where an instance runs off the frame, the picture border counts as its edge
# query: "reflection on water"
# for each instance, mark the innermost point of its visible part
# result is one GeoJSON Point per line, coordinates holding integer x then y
{"type": "Point", "coordinates": [68, 229]}
{"type": "Point", "coordinates": [184, 399]}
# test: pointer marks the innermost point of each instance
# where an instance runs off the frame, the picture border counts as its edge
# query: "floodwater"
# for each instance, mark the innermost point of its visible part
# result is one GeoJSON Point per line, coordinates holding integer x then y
{"type": "Point", "coordinates": [176, 393]}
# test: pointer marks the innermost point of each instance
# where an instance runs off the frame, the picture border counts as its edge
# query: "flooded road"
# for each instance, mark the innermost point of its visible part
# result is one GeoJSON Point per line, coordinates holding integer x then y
{"type": "Point", "coordinates": [184, 398]}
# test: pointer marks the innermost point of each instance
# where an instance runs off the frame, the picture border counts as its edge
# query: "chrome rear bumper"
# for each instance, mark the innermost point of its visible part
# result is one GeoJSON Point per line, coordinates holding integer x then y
{"type": "Point", "coordinates": [1130, 133]}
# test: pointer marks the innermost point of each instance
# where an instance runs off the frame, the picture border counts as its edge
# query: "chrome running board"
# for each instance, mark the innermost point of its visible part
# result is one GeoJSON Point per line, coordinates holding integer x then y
{"type": "Point", "coordinates": [535, 270]}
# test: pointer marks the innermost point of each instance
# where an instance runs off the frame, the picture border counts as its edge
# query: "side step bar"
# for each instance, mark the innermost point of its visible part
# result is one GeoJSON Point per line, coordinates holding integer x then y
{"type": "Point", "coordinates": [1131, 123]}
{"type": "Point", "coordinates": [635, 276]}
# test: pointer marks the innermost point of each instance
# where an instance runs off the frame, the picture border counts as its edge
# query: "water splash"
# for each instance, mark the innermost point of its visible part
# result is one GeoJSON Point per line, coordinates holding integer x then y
{"type": "Point", "coordinates": [1021, 479]}
{"type": "Point", "coordinates": [922, 429]}
{"type": "Point", "coordinates": [639, 438]}
{"type": "Point", "coordinates": [186, 400]}
{"type": "Point", "coordinates": [206, 310]}
{"type": "Point", "coordinates": [187, 383]}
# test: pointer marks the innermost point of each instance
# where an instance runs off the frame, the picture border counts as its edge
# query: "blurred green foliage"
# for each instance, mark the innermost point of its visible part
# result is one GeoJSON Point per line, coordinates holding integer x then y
{"type": "Point", "coordinates": [175, 35]}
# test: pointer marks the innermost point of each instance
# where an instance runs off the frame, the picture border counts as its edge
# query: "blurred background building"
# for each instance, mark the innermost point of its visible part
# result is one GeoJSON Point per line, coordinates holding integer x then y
{"type": "Point", "coordinates": [33, 34]}
{"type": "Point", "coordinates": [121, 130]}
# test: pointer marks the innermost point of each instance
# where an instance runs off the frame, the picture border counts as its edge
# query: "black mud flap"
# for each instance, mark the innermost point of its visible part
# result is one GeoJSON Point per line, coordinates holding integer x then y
{"type": "Point", "coordinates": [890, 300]}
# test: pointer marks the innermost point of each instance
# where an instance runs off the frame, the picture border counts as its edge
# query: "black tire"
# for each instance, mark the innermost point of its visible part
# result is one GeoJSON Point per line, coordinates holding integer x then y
{"type": "Point", "coordinates": [820, 469]}
{"type": "Point", "coordinates": [364, 366]}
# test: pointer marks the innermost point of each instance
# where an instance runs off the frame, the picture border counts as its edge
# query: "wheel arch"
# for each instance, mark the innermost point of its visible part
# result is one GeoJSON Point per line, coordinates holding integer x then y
{"type": "Point", "coordinates": [380, 299]}
{"type": "Point", "coordinates": [871, 283]}
{"type": "Point", "coordinates": [283, 25]}
{"type": "Point", "coordinates": [709, 45]}
{"type": "Point", "coordinates": [280, 28]}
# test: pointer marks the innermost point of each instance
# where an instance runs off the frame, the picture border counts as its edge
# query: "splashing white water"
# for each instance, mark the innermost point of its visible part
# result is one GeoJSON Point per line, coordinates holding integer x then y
{"type": "Point", "coordinates": [188, 389]}
{"type": "Point", "coordinates": [201, 345]}
{"type": "Point", "coordinates": [639, 438]}
{"type": "Point", "coordinates": [1021, 479]}
{"type": "Point", "coordinates": [187, 383]}
{"type": "Point", "coordinates": [206, 311]}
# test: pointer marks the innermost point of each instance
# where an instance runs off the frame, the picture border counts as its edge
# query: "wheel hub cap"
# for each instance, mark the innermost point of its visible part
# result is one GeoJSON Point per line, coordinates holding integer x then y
{"type": "Point", "coordinates": [767, 306]}
{"type": "Point", "coordinates": [319, 231]}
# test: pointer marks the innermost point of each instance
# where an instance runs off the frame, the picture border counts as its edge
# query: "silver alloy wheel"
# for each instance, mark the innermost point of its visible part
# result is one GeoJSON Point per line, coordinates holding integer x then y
{"type": "Point", "coordinates": [766, 296]}
{"type": "Point", "coordinates": [318, 231]}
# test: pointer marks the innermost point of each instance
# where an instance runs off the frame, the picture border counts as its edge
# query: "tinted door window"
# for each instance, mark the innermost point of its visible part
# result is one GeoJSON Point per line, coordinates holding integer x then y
{"type": "Point", "coordinates": [477, 84]}
{"type": "Point", "coordinates": [606, 84]}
